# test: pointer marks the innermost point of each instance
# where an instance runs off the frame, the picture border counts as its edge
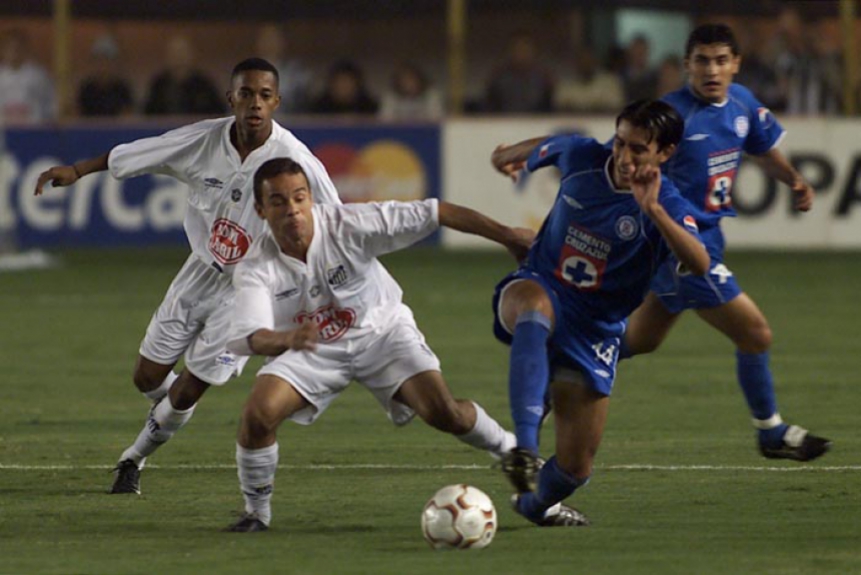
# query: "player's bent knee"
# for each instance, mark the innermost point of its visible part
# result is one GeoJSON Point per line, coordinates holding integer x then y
{"type": "Point", "coordinates": [756, 340]}
{"type": "Point", "coordinates": [148, 376]}
{"type": "Point", "coordinates": [259, 419]}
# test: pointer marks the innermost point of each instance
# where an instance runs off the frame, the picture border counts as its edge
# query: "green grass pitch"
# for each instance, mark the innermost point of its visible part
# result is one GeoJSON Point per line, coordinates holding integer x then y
{"type": "Point", "coordinates": [679, 487]}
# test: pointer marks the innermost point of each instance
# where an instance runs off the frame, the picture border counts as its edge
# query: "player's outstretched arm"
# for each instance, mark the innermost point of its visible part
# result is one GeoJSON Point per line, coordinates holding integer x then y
{"type": "Point", "coordinates": [271, 343]}
{"type": "Point", "coordinates": [468, 221]}
{"type": "Point", "coordinates": [646, 186]}
{"type": "Point", "coordinates": [509, 160]}
{"type": "Point", "coordinates": [68, 175]}
{"type": "Point", "coordinates": [775, 165]}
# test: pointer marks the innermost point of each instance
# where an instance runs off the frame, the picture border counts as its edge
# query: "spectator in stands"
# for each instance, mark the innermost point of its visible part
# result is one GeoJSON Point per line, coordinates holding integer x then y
{"type": "Point", "coordinates": [182, 89]}
{"type": "Point", "coordinates": [26, 92]}
{"type": "Point", "coordinates": [411, 97]}
{"type": "Point", "coordinates": [639, 79]}
{"type": "Point", "coordinates": [757, 71]}
{"type": "Point", "coordinates": [671, 75]}
{"type": "Point", "coordinates": [295, 79]}
{"type": "Point", "coordinates": [105, 92]}
{"type": "Point", "coordinates": [345, 92]}
{"type": "Point", "coordinates": [808, 70]}
{"type": "Point", "coordinates": [590, 88]}
{"type": "Point", "coordinates": [521, 84]}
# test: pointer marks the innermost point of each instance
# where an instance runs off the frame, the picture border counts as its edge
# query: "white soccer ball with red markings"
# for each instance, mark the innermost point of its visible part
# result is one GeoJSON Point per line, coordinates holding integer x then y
{"type": "Point", "coordinates": [459, 517]}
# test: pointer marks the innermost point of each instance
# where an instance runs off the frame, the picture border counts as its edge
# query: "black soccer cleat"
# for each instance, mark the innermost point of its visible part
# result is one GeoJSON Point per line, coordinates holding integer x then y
{"type": "Point", "coordinates": [521, 467]}
{"type": "Point", "coordinates": [559, 515]}
{"type": "Point", "coordinates": [248, 523]}
{"type": "Point", "coordinates": [797, 444]}
{"type": "Point", "coordinates": [127, 478]}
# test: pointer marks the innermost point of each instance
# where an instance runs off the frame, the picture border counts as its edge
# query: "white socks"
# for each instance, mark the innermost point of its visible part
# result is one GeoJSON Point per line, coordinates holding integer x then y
{"type": "Point", "coordinates": [161, 424]}
{"type": "Point", "coordinates": [487, 434]}
{"type": "Point", "coordinates": [256, 478]}
{"type": "Point", "coordinates": [769, 423]}
{"type": "Point", "coordinates": [159, 392]}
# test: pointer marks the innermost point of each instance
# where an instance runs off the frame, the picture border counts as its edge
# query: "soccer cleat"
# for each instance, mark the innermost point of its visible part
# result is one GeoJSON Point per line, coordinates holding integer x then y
{"type": "Point", "coordinates": [248, 523]}
{"type": "Point", "coordinates": [521, 467]}
{"type": "Point", "coordinates": [558, 515]}
{"type": "Point", "coordinates": [127, 479]}
{"type": "Point", "coordinates": [797, 444]}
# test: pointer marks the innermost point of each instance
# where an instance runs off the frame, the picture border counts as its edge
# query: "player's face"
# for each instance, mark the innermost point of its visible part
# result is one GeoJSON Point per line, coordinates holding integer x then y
{"type": "Point", "coordinates": [286, 208]}
{"type": "Point", "coordinates": [253, 99]}
{"type": "Point", "coordinates": [634, 147]}
{"type": "Point", "coordinates": [711, 68]}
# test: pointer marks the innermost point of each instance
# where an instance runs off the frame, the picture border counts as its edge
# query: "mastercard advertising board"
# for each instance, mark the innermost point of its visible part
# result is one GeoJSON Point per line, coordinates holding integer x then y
{"type": "Point", "coordinates": [366, 163]}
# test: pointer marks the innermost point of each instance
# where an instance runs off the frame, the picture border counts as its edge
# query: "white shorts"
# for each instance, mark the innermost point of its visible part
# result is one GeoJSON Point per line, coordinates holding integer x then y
{"type": "Point", "coordinates": [194, 319]}
{"type": "Point", "coordinates": [381, 362]}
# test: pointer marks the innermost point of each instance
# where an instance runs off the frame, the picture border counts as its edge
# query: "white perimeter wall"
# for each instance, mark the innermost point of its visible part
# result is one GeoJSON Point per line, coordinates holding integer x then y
{"type": "Point", "coordinates": [830, 146]}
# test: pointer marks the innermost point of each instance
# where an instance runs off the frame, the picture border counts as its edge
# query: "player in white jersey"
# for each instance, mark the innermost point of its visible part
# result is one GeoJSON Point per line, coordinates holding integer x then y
{"type": "Point", "coordinates": [217, 159]}
{"type": "Point", "coordinates": [313, 297]}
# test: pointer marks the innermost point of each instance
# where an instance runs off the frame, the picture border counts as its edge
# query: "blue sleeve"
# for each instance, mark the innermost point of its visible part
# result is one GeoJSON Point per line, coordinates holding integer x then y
{"type": "Point", "coordinates": [553, 151]}
{"type": "Point", "coordinates": [680, 209]}
{"type": "Point", "coordinates": [764, 130]}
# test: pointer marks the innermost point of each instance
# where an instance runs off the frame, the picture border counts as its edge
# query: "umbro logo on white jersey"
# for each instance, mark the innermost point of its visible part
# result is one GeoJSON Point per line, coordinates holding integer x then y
{"type": "Point", "coordinates": [696, 137]}
{"type": "Point", "coordinates": [286, 293]}
{"type": "Point", "coordinates": [572, 202]}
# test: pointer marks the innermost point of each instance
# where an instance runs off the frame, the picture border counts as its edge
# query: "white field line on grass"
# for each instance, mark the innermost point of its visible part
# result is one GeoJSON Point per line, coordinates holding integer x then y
{"type": "Point", "coordinates": [412, 467]}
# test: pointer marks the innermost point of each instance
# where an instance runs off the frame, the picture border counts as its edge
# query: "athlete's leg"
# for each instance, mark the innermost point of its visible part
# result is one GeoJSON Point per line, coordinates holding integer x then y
{"type": "Point", "coordinates": [580, 416]}
{"type": "Point", "coordinates": [742, 321]}
{"type": "Point", "coordinates": [428, 395]}
{"type": "Point", "coordinates": [153, 379]}
{"type": "Point", "coordinates": [165, 418]}
{"type": "Point", "coordinates": [272, 400]}
{"type": "Point", "coordinates": [647, 328]}
{"type": "Point", "coordinates": [526, 311]}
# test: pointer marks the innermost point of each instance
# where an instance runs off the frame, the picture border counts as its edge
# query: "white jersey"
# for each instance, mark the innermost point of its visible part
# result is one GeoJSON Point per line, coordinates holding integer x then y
{"type": "Point", "coordinates": [341, 286]}
{"type": "Point", "coordinates": [220, 222]}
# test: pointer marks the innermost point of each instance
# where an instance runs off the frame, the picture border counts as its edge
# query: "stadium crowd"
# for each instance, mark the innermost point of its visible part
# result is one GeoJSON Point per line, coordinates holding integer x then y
{"type": "Point", "coordinates": [798, 70]}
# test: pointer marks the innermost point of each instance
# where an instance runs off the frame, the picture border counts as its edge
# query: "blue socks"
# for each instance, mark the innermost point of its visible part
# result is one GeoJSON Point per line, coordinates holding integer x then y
{"type": "Point", "coordinates": [528, 376]}
{"type": "Point", "coordinates": [754, 376]}
{"type": "Point", "coordinates": [554, 485]}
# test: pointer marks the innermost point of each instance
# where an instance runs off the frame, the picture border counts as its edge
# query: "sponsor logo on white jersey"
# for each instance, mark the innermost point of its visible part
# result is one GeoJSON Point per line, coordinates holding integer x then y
{"type": "Point", "coordinates": [332, 321]}
{"type": "Point", "coordinates": [228, 242]}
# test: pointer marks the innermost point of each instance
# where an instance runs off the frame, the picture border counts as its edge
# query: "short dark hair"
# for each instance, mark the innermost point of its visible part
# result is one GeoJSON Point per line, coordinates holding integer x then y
{"type": "Point", "coordinates": [711, 34]}
{"type": "Point", "coordinates": [661, 120]}
{"type": "Point", "coordinates": [250, 64]}
{"type": "Point", "coordinates": [271, 169]}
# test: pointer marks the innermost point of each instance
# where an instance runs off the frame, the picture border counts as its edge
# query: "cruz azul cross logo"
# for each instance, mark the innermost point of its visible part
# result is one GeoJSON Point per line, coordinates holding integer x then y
{"type": "Point", "coordinates": [333, 322]}
{"type": "Point", "coordinates": [583, 259]}
{"type": "Point", "coordinates": [228, 242]}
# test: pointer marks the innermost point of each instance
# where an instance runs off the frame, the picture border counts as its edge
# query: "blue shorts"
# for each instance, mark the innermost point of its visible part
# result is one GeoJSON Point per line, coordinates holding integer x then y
{"type": "Point", "coordinates": [680, 291]}
{"type": "Point", "coordinates": [576, 343]}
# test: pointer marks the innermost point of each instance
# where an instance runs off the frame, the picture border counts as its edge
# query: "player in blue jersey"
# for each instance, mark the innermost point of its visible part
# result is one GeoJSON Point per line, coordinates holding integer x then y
{"type": "Point", "coordinates": [722, 120]}
{"type": "Point", "coordinates": [615, 220]}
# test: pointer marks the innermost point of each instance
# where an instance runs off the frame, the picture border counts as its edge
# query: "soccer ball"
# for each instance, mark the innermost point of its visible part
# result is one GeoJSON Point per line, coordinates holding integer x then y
{"type": "Point", "coordinates": [459, 517]}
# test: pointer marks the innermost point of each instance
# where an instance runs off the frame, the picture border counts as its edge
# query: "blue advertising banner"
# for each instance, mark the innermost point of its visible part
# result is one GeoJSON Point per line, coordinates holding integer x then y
{"type": "Point", "coordinates": [366, 162]}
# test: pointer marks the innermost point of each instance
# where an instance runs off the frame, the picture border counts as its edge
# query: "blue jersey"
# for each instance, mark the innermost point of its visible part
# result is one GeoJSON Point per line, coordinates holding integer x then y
{"type": "Point", "coordinates": [596, 248]}
{"type": "Point", "coordinates": [706, 163]}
